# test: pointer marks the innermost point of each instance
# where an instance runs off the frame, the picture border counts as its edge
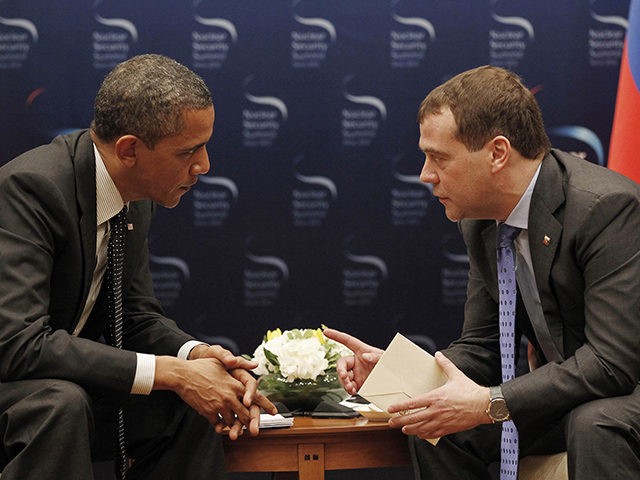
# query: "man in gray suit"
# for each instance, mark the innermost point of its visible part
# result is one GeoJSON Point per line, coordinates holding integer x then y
{"type": "Point", "coordinates": [60, 382]}
{"type": "Point", "coordinates": [578, 273]}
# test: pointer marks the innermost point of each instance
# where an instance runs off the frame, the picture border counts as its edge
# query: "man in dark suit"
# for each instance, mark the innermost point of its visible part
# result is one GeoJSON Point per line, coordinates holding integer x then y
{"type": "Point", "coordinates": [578, 274]}
{"type": "Point", "coordinates": [60, 382]}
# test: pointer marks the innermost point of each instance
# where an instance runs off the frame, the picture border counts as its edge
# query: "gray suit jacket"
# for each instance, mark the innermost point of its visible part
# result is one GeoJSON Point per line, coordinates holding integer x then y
{"type": "Point", "coordinates": [588, 278]}
{"type": "Point", "coordinates": [47, 258]}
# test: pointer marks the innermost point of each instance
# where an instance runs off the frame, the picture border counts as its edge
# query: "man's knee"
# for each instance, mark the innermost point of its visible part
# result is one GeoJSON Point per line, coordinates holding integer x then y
{"type": "Point", "coordinates": [47, 413]}
{"type": "Point", "coordinates": [54, 401]}
{"type": "Point", "coordinates": [599, 420]}
{"type": "Point", "coordinates": [603, 440]}
{"type": "Point", "coordinates": [45, 419]}
{"type": "Point", "coordinates": [75, 399]}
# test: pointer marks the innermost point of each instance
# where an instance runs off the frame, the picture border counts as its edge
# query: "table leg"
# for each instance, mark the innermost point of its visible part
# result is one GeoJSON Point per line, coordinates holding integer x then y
{"type": "Point", "coordinates": [311, 461]}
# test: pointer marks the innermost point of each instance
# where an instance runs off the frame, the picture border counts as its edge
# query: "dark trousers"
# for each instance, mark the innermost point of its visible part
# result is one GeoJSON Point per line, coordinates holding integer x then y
{"type": "Point", "coordinates": [55, 429]}
{"type": "Point", "coordinates": [602, 439]}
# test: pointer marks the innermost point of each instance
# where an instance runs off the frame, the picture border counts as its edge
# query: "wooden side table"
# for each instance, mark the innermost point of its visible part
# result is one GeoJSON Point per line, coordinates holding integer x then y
{"type": "Point", "coordinates": [313, 445]}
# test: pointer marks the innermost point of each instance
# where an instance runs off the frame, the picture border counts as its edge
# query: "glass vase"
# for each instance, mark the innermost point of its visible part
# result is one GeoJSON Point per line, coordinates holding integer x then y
{"type": "Point", "coordinates": [300, 394]}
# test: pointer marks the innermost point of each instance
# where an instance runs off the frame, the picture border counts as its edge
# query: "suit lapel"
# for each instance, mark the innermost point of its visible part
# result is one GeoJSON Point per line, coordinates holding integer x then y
{"type": "Point", "coordinates": [545, 231]}
{"type": "Point", "coordinates": [85, 174]}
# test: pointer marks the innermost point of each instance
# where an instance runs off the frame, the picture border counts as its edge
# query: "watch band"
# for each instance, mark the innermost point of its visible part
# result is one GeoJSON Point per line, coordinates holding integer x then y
{"type": "Point", "coordinates": [495, 392]}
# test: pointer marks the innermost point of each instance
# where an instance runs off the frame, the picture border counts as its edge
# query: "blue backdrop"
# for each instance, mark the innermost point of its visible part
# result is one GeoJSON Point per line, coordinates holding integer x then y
{"type": "Point", "coordinates": [313, 212]}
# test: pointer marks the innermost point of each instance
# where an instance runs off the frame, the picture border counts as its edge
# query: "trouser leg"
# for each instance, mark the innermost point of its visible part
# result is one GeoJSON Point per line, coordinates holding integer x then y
{"type": "Point", "coordinates": [467, 455]}
{"type": "Point", "coordinates": [603, 439]}
{"type": "Point", "coordinates": [167, 440]}
{"type": "Point", "coordinates": [459, 456]}
{"type": "Point", "coordinates": [47, 427]}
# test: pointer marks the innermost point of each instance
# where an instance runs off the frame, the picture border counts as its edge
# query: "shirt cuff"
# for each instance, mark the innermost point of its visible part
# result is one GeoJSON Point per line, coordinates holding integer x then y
{"type": "Point", "coordinates": [145, 374]}
{"type": "Point", "coordinates": [185, 350]}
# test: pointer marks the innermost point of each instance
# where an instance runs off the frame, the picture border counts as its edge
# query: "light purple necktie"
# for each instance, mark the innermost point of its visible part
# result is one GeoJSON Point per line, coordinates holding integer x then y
{"type": "Point", "coordinates": [508, 292]}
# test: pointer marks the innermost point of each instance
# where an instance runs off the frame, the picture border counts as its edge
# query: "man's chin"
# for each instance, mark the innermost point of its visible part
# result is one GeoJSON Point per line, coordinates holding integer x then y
{"type": "Point", "coordinates": [451, 215]}
{"type": "Point", "coordinates": [170, 203]}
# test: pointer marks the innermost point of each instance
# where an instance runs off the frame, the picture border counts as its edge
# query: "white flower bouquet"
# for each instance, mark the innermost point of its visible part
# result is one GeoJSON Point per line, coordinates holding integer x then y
{"type": "Point", "coordinates": [297, 354]}
{"type": "Point", "coordinates": [298, 367]}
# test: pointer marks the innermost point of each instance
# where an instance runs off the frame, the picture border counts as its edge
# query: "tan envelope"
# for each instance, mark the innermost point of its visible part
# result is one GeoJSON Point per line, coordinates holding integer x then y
{"type": "Point", "coordinates": [404, 371]}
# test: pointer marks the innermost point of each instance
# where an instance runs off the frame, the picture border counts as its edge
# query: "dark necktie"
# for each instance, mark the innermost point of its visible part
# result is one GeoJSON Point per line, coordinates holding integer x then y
{"type": "Point", "coordinates": [508, 292]}
{"type": "Point", "coordinates": [113, 276]}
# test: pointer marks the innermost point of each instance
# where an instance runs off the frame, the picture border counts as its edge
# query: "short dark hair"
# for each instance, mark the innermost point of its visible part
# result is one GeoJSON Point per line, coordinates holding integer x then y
{"type": "Point", "coordinates": [146, 96]}
{"type": "Point", "coordinates": [488, 101]}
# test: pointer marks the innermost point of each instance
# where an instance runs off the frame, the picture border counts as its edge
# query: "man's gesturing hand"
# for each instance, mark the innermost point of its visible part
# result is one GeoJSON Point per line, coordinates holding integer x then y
{"type": "Point", "coordinates": [353, 370]}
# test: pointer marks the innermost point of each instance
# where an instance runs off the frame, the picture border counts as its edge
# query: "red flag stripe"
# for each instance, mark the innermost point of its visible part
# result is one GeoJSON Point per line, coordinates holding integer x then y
{"type": "Point", "coordinates": [624, 149]}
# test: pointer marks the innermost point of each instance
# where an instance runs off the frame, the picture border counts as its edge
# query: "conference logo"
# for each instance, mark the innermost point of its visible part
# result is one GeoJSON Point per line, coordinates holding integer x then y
{"type": "Point", "coordinates": [310, 41]}
{"type": "Point", "coordinates": [409, 40]}
{"type": "Point", "coordinates": [263, 278]}
{"type": "Point", "coordinates": [17, 36]}
{"type": "Point", "coordinates": [361, 118]}
{"type": "Point", "coordinates": [311, 198]}
{"type": "Point", "coordinates": [169, 274]}
{"type": "Point", "coordinates": [578, 140]}
{"type": "Point", "coordinates": [454, 272]}
{"type": "Point", "coordinates": [212, 200]}
{"type": "Point", "coordinates": [362, 277]}
{"type": "Point", "coordinates": [112, 40]}
{"type": "Point", "coordinates": [508, 39]}
{"type": "Point", "coordinates": [261, 118]}
{"type": "Point", "coordinates": [606, 39]}
{"type": "Point", "coordinates": [410, 198]}
{"type": "Point", "coordinates": [211, 41]}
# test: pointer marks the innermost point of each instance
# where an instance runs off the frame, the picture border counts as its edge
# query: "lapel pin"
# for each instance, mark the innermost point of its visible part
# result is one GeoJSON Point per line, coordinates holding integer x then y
{"type": "Point", "coordinates": [129, 226]}
{"type": "Point", "coordinates": [546, 240]}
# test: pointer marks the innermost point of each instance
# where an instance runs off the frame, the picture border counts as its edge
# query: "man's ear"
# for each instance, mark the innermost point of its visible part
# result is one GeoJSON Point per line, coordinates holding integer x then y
{"type": "Point", "coordinates": [500, 152]}
{"type": "Point", "coordinates": [126, 149]}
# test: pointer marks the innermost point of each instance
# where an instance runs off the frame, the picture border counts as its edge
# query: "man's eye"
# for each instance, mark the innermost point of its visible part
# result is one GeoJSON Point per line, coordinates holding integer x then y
{"type": "Point", "coordinates": [193, 150]}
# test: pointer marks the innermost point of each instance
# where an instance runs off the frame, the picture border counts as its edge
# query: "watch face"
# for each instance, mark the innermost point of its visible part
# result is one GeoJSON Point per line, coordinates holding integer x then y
{"type": "Point", "coordinates": [498, 410]}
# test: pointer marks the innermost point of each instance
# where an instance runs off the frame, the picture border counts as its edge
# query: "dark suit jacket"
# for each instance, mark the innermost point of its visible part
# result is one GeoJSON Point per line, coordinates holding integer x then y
{"type": "Point", "coordinates": [47, 258]}
{"type": "Point", "coordinates": [588, 277]}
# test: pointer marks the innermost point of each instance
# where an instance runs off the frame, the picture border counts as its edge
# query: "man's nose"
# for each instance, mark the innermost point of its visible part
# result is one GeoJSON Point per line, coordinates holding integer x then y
{"type": "Point", "coordinates": [202, 164]}
{"type": "Point", "coordinates": [427, 175]}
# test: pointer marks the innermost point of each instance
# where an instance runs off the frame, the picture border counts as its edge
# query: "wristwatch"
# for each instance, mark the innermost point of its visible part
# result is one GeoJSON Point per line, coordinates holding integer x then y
{"type": "Point", "coordinates": [497, 408]}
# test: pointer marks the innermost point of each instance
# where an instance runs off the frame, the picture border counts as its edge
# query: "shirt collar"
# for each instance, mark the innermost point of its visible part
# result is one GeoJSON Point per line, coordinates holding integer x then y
{"type": "Point", "coordinates": [108, 199]}
{"type": "Point", "coordinates": [519, 216]}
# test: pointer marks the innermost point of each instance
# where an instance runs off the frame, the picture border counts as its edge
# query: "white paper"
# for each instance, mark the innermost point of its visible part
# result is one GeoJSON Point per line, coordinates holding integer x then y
{"type": "Point", "coordinates": [274, 421]}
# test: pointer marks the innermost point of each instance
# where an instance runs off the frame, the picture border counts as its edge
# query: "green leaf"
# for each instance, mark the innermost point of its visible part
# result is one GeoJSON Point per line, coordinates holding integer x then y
{"type": "Point", "coordinates": [271, 357]}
